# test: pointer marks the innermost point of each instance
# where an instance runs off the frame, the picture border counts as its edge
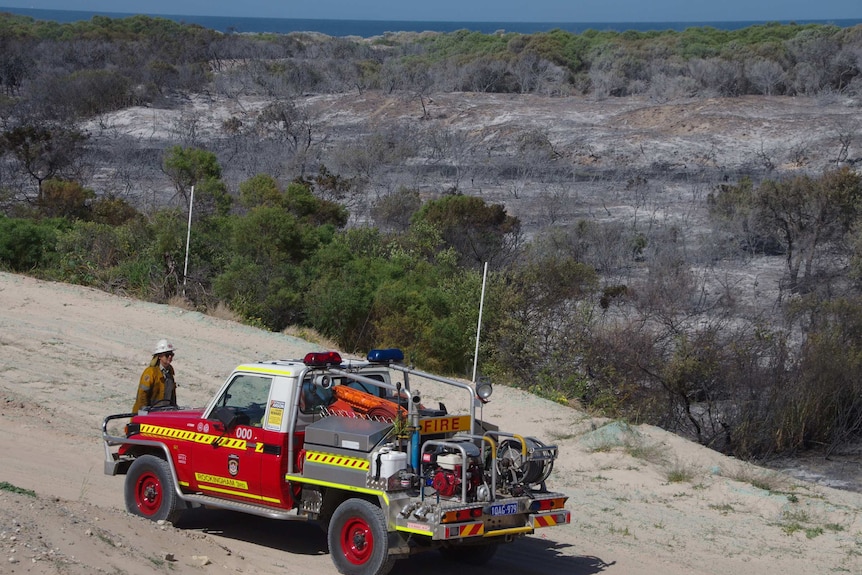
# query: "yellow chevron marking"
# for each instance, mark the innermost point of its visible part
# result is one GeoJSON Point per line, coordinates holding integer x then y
{"type": "Point", "coordinates": [472, 530]}
{"type": "Point", "coordinates": [338, 460]}
{"type": "Point", "coordinates": [194, 437]}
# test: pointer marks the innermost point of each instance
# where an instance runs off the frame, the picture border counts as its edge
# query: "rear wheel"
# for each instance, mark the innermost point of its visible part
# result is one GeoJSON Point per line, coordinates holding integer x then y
{"type": "Point", "coordinates": [359, 540]}
{"type": "Point", "coordinates": [149, 490]}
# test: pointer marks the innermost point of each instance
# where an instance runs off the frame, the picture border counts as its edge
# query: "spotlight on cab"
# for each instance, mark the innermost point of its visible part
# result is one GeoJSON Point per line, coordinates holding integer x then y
{"type": "Point", "coordinates": [484, 389]}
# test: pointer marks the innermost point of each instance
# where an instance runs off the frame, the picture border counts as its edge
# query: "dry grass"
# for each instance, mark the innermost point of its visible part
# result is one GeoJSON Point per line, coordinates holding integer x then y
{"type": "Point", "coordinates": [761, 478]}
{"type": "Point", "coordinates": [677, 471]}
{"type": "Point", "coordinates": [181, 302]}
{"type": "Point", "coordinates": [223, 311]}
{"type": "Point", "coordinates": [649, 451]}
{"type": "Point", "coordinates": [310, 335]}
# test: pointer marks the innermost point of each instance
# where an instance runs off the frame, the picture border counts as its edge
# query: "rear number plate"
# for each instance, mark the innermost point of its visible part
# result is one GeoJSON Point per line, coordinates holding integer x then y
{"type": "Point", "coordinates": [504, 509]}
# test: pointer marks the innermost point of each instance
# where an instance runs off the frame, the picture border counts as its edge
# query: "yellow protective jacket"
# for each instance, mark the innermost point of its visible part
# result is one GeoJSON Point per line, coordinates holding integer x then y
{"type": "Point", "coordinates": [152, 389]}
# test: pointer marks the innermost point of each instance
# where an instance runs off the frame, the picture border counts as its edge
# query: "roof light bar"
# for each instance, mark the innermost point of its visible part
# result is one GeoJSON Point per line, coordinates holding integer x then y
{"type": "Point", "coordinates": [322, 359]}
{"type": "Point", "coordinates": [391, 355]}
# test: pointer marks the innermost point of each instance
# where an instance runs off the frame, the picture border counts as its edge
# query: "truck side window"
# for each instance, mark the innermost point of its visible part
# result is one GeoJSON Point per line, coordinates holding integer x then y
{"type": "Point", "coordinates": [367, 387]}
{"type": "Point", "coordinates": [247, 396]}
{"type": "Point", "coordinates": [313, 397]}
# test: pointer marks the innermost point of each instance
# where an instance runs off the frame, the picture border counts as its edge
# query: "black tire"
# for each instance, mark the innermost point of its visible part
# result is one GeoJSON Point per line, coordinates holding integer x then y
{"type": "Point", "coordinates": [359, 540]}
{"type": "Point", "coordinates": [475, 555]}
{"type": "Point", "coordinates": [149, 490]}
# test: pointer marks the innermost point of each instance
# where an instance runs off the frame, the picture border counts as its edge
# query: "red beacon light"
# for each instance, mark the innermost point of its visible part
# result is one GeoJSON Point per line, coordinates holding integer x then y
{"type": "Point", "coordinates": [391, 355]}
{"type": "Point", "coordinates": [322, 359]}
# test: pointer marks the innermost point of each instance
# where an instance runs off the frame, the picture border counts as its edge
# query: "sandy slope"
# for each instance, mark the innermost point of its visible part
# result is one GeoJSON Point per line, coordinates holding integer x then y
{"type": "Point", "coordinates": [70, 355]}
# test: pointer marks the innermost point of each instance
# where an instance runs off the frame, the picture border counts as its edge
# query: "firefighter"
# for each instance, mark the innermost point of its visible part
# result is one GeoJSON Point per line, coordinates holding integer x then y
{"type": "Point", "coordinates": [158, 387]}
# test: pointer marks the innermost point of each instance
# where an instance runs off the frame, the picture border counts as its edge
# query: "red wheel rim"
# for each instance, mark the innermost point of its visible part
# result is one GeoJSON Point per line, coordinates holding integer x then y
{"type": "Point", "coordinates": [357, 542]}
{"type": "Point", "coordinates": [148, 494]}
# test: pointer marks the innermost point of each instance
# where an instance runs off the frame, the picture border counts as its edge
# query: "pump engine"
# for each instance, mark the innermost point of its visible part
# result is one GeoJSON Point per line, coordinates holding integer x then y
{"type": "Point", "coordinates": [443, 469]}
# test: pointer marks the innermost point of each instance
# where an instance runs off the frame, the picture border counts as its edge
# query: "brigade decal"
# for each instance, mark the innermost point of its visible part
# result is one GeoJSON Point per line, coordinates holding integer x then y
{"type": "Point", "coordinates": [233, 464]}
{"type": "Point", "coordinates": [337, 460]}
{"type": "Point", "coordinates": [223, 481]}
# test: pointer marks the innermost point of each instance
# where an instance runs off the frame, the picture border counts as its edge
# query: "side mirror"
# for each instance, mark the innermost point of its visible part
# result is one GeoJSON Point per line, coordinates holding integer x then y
{"type": "Point", "coordinates": [227, 416]}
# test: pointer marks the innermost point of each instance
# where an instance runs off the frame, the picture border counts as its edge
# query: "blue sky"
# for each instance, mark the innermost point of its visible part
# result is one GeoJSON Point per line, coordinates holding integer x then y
{"type": "Point", "coordinates": [479, 10]}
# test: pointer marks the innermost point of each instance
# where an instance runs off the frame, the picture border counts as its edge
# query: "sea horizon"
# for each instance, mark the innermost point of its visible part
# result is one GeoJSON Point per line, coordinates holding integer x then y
{"type": "Point", "coordinates": [371, 28]}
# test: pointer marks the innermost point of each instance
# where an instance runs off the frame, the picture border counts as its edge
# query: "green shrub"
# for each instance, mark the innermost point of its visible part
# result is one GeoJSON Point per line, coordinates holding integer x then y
{"type": "Point", "coordinates": [6, 486]}
{"type": "Point", "coordinates": [27, 245]}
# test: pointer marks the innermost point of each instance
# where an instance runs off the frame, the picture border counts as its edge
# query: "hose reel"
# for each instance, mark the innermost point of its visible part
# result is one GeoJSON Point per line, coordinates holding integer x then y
{"type": "Point", "coordinates": [530, 468]}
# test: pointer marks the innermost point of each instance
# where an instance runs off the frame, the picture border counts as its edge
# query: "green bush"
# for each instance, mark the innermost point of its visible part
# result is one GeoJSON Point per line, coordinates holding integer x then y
{"type": "Point", "coordinates": [26, 245]}
{"type": "Point", "coordinates": [109, 257]}
{"type": "Point", "coordinates": [478, 232]}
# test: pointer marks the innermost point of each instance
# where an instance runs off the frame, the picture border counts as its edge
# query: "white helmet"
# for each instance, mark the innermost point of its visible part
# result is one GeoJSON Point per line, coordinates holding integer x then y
{"type": "Point", "coordinates": [163, 346]}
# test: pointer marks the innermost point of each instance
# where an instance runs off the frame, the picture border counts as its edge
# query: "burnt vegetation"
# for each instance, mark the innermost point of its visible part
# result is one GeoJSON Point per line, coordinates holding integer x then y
{"type": "Point", "coordinates": [373, 239]}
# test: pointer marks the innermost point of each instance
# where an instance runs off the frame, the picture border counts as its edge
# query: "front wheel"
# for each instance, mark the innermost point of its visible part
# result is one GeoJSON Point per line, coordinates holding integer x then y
{"type": "Point", "coordinates": [359, 540]}
{"type": "Point", "coordinates": [149, 490]}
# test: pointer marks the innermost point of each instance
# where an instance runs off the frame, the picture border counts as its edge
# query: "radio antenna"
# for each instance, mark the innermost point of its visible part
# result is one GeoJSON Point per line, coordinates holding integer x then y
{"type": "Point", "coordinates": [479, 325]}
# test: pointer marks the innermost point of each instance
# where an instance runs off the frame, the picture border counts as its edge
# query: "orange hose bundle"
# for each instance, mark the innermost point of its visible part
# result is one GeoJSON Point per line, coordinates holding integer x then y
{"type": "Point", "coordinates": [367, 404]}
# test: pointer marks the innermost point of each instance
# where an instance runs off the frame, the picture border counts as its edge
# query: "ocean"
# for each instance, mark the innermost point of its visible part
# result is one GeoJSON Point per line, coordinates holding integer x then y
{"type": "Point", "coordinates": [370, 28]}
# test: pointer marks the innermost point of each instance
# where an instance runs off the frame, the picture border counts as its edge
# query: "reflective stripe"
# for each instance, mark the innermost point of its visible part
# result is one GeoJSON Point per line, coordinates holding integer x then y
{"type": "Point", "coordinates": [300, 479]}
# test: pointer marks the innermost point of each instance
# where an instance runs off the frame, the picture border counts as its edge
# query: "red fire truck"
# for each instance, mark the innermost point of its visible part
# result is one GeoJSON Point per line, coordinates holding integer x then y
{"type": "Point", "coordinates": [343, 444]}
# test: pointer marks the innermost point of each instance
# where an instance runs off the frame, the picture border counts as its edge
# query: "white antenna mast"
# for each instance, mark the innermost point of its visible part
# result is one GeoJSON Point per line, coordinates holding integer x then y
{"type": "Point", "coordinates": [479, 326]}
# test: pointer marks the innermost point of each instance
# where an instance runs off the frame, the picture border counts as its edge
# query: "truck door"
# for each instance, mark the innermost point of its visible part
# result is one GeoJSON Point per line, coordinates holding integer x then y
{"type": "Point", "coordinates": [227, 463]}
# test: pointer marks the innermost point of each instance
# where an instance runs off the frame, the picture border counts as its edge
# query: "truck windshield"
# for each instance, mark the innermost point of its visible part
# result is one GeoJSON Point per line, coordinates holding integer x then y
{"type": "Point", "coordinates": [247, 395]}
